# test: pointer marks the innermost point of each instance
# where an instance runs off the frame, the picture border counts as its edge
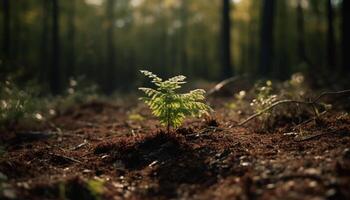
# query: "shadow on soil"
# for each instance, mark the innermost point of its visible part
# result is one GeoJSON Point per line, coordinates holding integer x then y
{"type": "Point", "coordinates": [172, 162]}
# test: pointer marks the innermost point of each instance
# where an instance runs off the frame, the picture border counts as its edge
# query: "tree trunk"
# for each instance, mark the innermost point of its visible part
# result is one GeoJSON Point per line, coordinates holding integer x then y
{"type": "Point", "coordinates": [346, 35]}
{"type": "Point", "coordinates": [330, 36]}
{"type": "Point", "coordinates": [253, 41]}
{"type": "Point", "coordinates": [6, 29]}
{"type": "Point", "coordinates": [70, 71]}
{"type": "Point", "coordinates": [55, 71]}
{"type": "Point", "coordinates": [183, 37]}
{"type": "Point", "coordinates": [266, 37]}
{"type": "Point", "coordinates": [300, 33]}
{"type": "Point", "coordinates": [281, 68]}
{"type": "Point", "coordinates": [17, 32]}
{"type": "Point", "coordinates": [110, 68]}
{"type": "Point", "coordinates": [44, 48]}
{"type": "Point", "coordinates": [226, 70]}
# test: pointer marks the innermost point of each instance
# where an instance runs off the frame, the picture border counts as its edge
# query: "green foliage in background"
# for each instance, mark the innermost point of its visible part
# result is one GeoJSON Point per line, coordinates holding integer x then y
{"type": "Point", "coordinates": [266, 93]}
{"type": "Point", "coordinates": [170, 107]}
{"type": "Point", "coordinates": [79, 91]}
{"type": "Point", "coordinates": [96, 188]}
{"type": "Point", "coordinates": [264, 98]}
{"type": "Point", "coordinates": [24, 105]}
{"type": "Point", "coordinates": [15, 103]}
{"type": "Point", "coordinates": [182, 35]}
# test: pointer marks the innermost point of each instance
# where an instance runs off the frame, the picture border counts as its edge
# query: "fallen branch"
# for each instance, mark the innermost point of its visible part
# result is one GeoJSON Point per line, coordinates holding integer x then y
{"type": "Point", "coordinates": [65, 158]}
{"type": "Point", "coordinates": [312, 103]}
{"type": "Point", "coordinates": [309, 137]}
{"type": "Point", "coordinates": [331, 93]}
{"type": "Point", "coordinates": [271, 107]}
{"type": "Point", "coordinates": [223, 83]}
{"type": "Point", "coordinates": [80, 145]}
{"type": "Point", "coordinates": [309, 120]}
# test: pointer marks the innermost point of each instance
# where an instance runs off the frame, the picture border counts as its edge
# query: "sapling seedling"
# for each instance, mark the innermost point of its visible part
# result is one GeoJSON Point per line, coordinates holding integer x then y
{"type": "Point", "coordinates": [171, 107]}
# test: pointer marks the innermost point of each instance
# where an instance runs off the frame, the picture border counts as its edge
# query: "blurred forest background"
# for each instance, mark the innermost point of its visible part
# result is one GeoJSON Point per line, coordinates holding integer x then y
{"type": "Point", "coordinates": [107, 41]}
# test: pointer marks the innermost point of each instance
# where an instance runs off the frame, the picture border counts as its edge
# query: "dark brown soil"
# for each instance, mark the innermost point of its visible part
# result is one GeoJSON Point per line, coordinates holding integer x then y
{"type": "Point", "coordinates": [204, 159]}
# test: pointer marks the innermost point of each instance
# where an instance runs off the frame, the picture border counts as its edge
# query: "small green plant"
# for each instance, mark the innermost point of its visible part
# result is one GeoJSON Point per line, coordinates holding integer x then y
{"type": "Point", "coordinates": [238, 103]}
{"type": "Point", "coordinates": [169, 106]}
{"type": "Point", "coordinates": [95, 186]}
{"type": "Point", "coordinates": [264, 98]}
{"type": "Point", "coordinates": [15, 103]}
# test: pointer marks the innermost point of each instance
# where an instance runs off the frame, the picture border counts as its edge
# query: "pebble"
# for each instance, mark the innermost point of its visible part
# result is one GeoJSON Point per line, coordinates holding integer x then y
{"type": "Point", "coordinates": [86, 171]}
{"type": "Point", "coordinates": [346, 154]}
{"type": "Point", "coordinates": [313, 184]}
{"type": "Point", "coordinates": [270, 186]}
{"type": "Point", "coordinates": [153, 163]}
{"type": "Point", "coordinates": [331, 192]}
{"type": "Point", "coordinates": [313, 171]}
{"type": "Point", "coordinates": [119, 164]}
{"type": "Point", "coordinates": [9, 193]}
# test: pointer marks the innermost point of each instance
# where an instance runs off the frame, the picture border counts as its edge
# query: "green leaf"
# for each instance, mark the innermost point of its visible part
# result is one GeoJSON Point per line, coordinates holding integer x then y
{"type": "Point", "coordinates": [170, 107]}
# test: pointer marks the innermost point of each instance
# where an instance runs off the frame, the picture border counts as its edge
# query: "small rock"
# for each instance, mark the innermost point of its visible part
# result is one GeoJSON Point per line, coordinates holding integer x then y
{"type": "Point", "coordinates": [346, 154]}
{"type": "Point", "coordinates": [313, 184]}
{"type": "Point", "coordinates": [225, 153]}
{"type": "Point", "coordinates": [313, 171]}
{"type": "Point", "coordinates": [290, 184]}
{"type": "Point", "coordinates": [153, 163]}
{"type": "Point", "coordinates": [3, 177]}
{"type": "Point", "coordinates": [86, 171]}
{"type": "Point", "coordinates": [118, 185]}
{"type": "Point", "coordinates": [331, 193]}
{"type": "Point", "coordinates": [9, 193]}
{"type": "Point", "coordinates": [245, 164]}
{"type": "Point", "coordinates": [270, 186]}
{"type": "Point", "coordinates": [291, 133]}
{"type": "Point", "coordinates": [119, 164]}
{"type": "Point", "coordinates": [25, 185]}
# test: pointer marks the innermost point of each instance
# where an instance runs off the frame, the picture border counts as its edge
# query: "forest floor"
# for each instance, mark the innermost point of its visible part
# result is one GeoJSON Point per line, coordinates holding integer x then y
{"type": "Point", "coordinates": [98, 151]}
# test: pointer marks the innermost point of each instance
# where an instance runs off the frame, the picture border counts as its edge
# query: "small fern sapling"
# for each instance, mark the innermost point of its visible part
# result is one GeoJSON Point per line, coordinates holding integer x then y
{"type": "Point", "coordinates": [171, 107]}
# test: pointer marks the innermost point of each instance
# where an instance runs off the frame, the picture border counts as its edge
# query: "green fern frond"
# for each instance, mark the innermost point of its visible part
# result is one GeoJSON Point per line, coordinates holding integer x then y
{"type": "Point", "coordinates": [155, 78]}
{"type": "Point", "coordinates": [170, 107]}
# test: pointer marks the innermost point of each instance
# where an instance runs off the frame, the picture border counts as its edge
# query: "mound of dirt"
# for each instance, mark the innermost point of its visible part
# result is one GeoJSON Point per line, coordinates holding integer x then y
{"type": "Point", "coordinates": [209, 159]}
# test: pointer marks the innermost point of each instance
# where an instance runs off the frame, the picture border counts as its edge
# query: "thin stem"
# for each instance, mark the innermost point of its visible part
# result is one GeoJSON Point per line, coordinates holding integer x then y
{"type": "Point", "coordinates": [270, 107]}
{"type": "Point", "coordinates": [312, 103]}
{"type": "Point", "coordinates": [168, 114]}
{"type": "Point", "coordinates": [330, 93]}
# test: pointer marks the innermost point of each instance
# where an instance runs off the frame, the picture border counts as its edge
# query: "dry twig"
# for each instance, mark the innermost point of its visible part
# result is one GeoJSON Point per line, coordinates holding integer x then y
{"type": "Point", "coordinates": [65, 158]}
{"type": "Point", "coordinates": [312, 103]}
{"type": "Point", "coordinates": [223, 83]}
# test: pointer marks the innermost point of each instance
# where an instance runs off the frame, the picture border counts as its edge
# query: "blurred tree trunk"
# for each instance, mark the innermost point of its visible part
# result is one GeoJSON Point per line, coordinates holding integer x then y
{"type": "Point", "coordinates": [281, 64]}
{"type": "Point", "coordinates": [317, 55]}
{"type": "Point", "coordinates": [346, 35]}
{"type": "Point", "coordinates": [44, 48]}
{"type": "Point", "coordinates": [110, 68]}
{"type": "Point", "coordinates": [226, 66]}
{"type": "Point", "coordinates": [301, 33]}
{"type": "Point", "coordinates": [253, 41]}
{"type": "Point", "coordinates": [330, 36]}
{"type": "Point", "coordinates": [55, 81]}
{"type": "Point", "coordinates": [6, 29]}
{"type": "Point", "coordinates": [17, 32]}
{"type": "Point", "coordinates": [183, 37]}
{"type": "Point", "coordinates": [70, 71]}
{"type": "Point", "coordinates": [266, 36]}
